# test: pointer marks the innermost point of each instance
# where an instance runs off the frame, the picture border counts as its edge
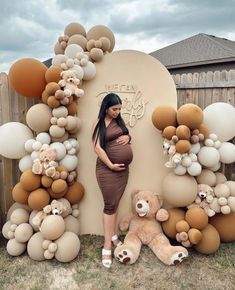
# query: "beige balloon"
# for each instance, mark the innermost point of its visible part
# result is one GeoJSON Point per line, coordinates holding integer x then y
{"type": "Point", "coordinates": [179, 191]}
{"type": "Point", "coordinates": [38, 118]}
{"type": "Point", "coordinates": [15, 248]}
{"type": "Point", "coordinates": [34, 247]}
{"type": "Point", "coordinates": [71, 224]}
{"type": "Point", "coordinates": [52, 227]}
{"type": "Point", "coordinates": [68, 247]}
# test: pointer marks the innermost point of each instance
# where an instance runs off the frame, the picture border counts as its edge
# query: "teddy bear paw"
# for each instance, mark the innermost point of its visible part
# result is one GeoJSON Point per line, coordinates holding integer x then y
{"type": "Point", "coordinates": [177, 258]}
{"type": "Point", "coordinates": [124, 256]}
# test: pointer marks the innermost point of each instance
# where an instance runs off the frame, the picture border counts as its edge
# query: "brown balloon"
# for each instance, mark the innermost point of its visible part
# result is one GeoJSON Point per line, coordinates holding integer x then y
{"type": "Point", "coordinates": [164, 116]}
{"type": "Point", "coordinates": [27, 77]}
{"type": "Point", "coordinates": [53, 74]}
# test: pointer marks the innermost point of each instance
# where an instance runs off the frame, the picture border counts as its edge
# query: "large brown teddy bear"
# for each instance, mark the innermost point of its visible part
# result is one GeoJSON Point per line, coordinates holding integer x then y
{"type": "Point", "coordinates": [144, 228]}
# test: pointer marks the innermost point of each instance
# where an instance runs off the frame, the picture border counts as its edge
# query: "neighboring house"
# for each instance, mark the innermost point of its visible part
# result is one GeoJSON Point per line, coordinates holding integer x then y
{"type": "Point", "coordinates": [199, 53]}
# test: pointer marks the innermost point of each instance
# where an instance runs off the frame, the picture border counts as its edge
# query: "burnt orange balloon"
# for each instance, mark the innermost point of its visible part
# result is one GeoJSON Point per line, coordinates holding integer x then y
{"type": "Point", "coordinates": [75, 193]}
{"type": "Point", "coordinates": [27, 77]}
{"type": "Point", "coordinates": [30, 181]}
{"type": "Point", "coordinates": [182, 226]}
{"type": "Point", "coordinates": [183, 132]}
{"type": "Point", "coordinates": [210, 241]}
{"type": "Point", "coordinates": [169, 132]}
{"type": "Point", "coordinates": [38, 199]}
{"type": "Point", "coordinates": [72, 108]}
{"type": "Point", "coordinates": [190, 115]}
{"type": "Point", "coordinates": [59, 185]}
{"type": "Point", "coordinates": [196, 218]}
{"type": "Point", "coordinates": [19, 194]}
{"type": "Point", "coordinates": [225, 225]}
{"type": "Point", "coordinates": [169, 226]}
{"type": "Point", "coordinates": [56, 195]}
{"type": "Point", "coordinates": [44, 96]}
{"type": "Point", "coordinates": [46, 181]}
{"type": "Point", "coordinates": [164, 116]}
{"type": "Point", "coordinates": [204, 130]}
{"type": "Point", "coordinates": [53, 74]}
{"type": "Point", "coordinates": [51, 88]}
{"type": "Point", "coordinates": [194, 236]}
{"type": "Point", "coordinates": [183, 146]}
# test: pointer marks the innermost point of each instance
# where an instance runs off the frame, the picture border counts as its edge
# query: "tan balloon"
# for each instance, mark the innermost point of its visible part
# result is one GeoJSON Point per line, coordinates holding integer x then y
{"type": "Point", "coordinates": [68, 247]}
{"type": "Point", "coordinates": [78, 39]}
{"type": "Point", "coordinates": [15, 248]}
{"type": "Point", "coordinates": [52, 227]}
{"type": "Point", "coordinates": [190, 115]}
{"type": "Point", "coordinates": [164, 116]}
{"type": "Point", "coordinates": [34, 247]}
{"type": "Point", "coordinates": [38, 118]}
{"type": "Point", "coordinates": [207, 177]}
{"type": "Point", "coordinates": [179, 191]}
{"type": "Point", "coordinates": [74, 28]}
{"type": "Point", "coordinates": [99, 31]}
{"type": "Point", "coordinates": [225, 226]}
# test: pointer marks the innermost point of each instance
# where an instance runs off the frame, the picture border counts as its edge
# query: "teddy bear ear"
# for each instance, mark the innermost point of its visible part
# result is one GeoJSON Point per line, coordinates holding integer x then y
{"type": "Point", "coordinates": [134, 192]}
{"type": "Point", "coordinates": [61, 74]}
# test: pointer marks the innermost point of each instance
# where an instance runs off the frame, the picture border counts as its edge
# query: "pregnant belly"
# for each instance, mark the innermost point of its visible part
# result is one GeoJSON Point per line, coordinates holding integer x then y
{"type": "Point", "coordinates": [118, 153]}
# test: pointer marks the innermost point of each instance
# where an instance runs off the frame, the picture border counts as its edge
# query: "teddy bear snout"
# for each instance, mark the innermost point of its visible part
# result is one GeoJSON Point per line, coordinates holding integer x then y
{"type": "Point", "coordinates": [56, 211]}
{"type": "Point", "coordinates": [202, 194]}
{"type": "Point", "coordinates": [142, 207]}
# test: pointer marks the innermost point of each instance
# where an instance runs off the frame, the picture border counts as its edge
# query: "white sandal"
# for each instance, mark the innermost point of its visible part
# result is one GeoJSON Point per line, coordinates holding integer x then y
{"type": "Point", "coordinates": [116, 238]}
{"type": "Point", "coordinates": [106, 262]}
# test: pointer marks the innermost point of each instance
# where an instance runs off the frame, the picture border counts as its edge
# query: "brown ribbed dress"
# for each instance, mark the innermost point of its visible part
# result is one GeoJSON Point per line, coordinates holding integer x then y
{"type": "Point", "coordinates": [112, 183]}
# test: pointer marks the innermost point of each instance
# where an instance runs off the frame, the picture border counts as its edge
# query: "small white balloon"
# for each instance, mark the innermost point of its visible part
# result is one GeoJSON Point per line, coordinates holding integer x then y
{"type": "Point", "coordinates": [186, 161]}
{"type": "Point", "coordinates": [209, 142]}
{"type": "Point", "coordinates": [60, 150]}
{"type": "Point", "coordinates": [227, 153]}
{"type": "Point", "coordinates": [58, 59]}
{"type": "Point", "coordinates": [195, 169]}
{"type": "Point", "coordinates": [208, 156]}
{"type": "Point", "coordinates": [34, 155]}
{"type": "Point", "coordinates": [216, 167]}
{"type": "Point", "coordinates": [89, 71]}
{"type": "Point", "coordinates": [37, 146]}
{"type": "Point", "coordinates": [180, 170]}
{"type": "Point", "coordinates": [72, 49]}
{"type": "Point", "coordinates": [29, 145]}
{"type": "Point", "coordinates": [195, 148]}
{"type": "Point", "coordinates": [70, 162]}
{"type": "Point", "coordinates": [193, 157]}
{"type": "Point", "coordinates": [25, 163]}
{"type": "Point", "coordinates": [79, 71]}
{"type": "Point", "coordinates": [43, 138]}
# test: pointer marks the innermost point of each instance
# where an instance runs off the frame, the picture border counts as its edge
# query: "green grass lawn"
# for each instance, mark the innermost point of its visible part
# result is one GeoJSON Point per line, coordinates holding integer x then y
{"type": "Point", "coordinates": [215, 271]}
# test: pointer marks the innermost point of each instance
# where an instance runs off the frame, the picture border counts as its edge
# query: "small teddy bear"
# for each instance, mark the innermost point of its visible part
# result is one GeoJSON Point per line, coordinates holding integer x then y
{"type": "Point", "coordinates": [56, 208]}
{"type": "Point", "coordinates": [205, 196]}
{"type": "Point", "coordinates": [45, 164]}
{"type": "Point", "coordinates": [70, 83]}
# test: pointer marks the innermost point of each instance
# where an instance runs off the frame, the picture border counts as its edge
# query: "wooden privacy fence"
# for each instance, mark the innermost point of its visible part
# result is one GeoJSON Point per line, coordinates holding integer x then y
{"type": "Point", "coordinates": [198, 88]}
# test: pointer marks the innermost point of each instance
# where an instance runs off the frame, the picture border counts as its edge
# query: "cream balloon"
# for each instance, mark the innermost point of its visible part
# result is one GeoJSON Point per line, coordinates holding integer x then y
{"type": "Point", "coordinates": [89, 71]}
{"type": "Point", "coordinates": [220, 119]}
{"type": "Point", "coordinates": [70, 162]}
{"type": "Point", "coordinates": [72, 49]}
{"type": "Point", "coordinates": [13, 136]}
{"type": "Point", "coordinates": [25, 163]}
{"type": "Point", "coordinates": [68, 247]}
{"type": "Point", "coordinates": [59, 59]}
{"type": "Point", "coordinates": [227, 152]}
{"type": "Point", "coordinates": [208, 156]}
{"type": "Point", "coordinates": [38, 118]}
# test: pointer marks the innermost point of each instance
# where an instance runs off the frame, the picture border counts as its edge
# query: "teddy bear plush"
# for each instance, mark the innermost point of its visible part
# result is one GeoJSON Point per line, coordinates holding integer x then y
{"type": "Point", "coordinates": [56, 208]}
{"type": "Point", "coordinates": [145, 228]}
{"type": "Point", "coordinates": [205, 196]}
{"type": "Point", "coordinates": [70, 83]}
{"type": "Point", "coordinates": [45, 164]}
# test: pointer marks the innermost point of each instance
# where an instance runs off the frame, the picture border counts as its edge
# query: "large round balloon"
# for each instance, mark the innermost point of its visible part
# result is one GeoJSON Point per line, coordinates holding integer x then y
{"type": "Point", "coordinates": [220, 119]}
{"type": "Point", "coordinates": [27, 77]}
{"type": "Point", "coordinates": [38, 118]}
{"type": "Point", "coordinates": [179, 191]}
{"type": "Point", "coordinates": [13, 136]}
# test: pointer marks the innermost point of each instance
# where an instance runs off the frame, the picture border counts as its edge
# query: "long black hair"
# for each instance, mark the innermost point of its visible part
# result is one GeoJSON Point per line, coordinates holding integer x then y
{"type": "Point", "coordinates": [109, 100]}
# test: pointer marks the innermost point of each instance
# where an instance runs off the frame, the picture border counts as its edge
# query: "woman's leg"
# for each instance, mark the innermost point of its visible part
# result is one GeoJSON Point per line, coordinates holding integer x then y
{"type": "Point", "coordinates": [109, 221]}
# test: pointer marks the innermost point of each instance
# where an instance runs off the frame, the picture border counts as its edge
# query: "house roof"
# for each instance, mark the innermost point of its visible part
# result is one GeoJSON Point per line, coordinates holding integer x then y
{"type": "Point", "coordinates": [197, 50]}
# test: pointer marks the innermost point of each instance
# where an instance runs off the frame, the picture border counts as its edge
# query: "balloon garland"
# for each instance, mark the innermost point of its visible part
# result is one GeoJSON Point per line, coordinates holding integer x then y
{"type": "Point", "coordinates": [44, 217]}
{"type": "Point", "coordinates": [201, 200]}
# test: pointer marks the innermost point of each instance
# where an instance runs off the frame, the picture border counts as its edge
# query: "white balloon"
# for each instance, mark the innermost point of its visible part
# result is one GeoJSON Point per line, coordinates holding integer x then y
{"type": "Point", "coordinates": [186, 161]}
{"type": "Point", "coordinates": [208, 156]}
{"type": "Point", "coordinates": [60, 150]}
{"type": "Point", "coordinates": [29, 145]}
{"type": "Point", "coordinates": [44, 138]}
{"type": "Point", "coordinates": [70, 162]}
{"type": "Point", "coordinates": [227, 153]}
{"type": "Point", "coordinates": [35, 155]}
{"type": "Point", "coordinates": [72, 49]}
{"type": "Point", "coordinates": [79, 71]}
{"type": "Point", "coordinates": [25, 163]}
{"type": "Point", "coordinates": [37, 146]}
{"type": "Point", "coordinates": [13, 136]}
{"type": "Point", "coordinates": [180, 170]}
{"type": "Point", "coordinates": [220, 119]}
{"type": "Point", "coordinates": [195, 169]}
{"type": "Point", "coordinates": [195, 148]}
{"type": "Point", "coordinates": [59, 59]}
{"type": "Point", "coordinates": [89, 71]}
{"type": "Point", "coordinates": [216, 167]}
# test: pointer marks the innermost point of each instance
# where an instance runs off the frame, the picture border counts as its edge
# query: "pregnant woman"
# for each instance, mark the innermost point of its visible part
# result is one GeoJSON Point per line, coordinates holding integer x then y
{"type": "Point", "coordinates": [112, 145]}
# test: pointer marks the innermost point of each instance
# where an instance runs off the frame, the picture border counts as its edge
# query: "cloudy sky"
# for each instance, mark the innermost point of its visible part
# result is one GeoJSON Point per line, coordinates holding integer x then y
{"type": "Point", "coordinates": [30, 28]}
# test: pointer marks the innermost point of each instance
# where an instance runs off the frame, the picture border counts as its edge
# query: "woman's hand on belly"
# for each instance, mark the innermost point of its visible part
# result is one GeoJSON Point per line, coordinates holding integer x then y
{"type": "Point", "coordinates": [123, 140]}
{"type": "Point", "coordinates": [118, 167]}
